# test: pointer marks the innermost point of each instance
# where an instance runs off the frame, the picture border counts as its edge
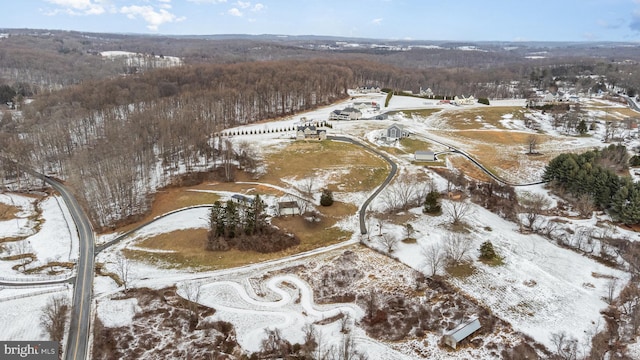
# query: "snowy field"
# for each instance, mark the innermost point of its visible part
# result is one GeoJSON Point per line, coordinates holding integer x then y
{"type": "Point", "coordinates": [540, 289]}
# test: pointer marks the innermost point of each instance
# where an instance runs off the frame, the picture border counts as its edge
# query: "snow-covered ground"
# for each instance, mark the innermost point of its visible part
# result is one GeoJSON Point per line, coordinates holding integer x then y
{"type": "Point", "coordinates": [541, 288]}
{"type": "Point", "coordinates": [145, 60]}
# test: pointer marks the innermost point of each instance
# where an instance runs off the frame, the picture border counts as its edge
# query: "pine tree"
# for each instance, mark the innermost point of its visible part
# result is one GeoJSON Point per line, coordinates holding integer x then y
{"type": "Point", "coordinates": [582, 127]}
{"type": "Point", "coordinates": [326, 199]}
{"type": "Point", "coordinates": [231, 220]}
{"type": "Point", "coordinates": [487, 252]}
{"type": "Point", "coordinates": [432, 203]}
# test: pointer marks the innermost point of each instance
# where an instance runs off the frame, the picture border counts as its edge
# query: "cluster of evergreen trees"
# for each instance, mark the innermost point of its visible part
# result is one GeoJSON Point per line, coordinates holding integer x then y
{"type": "Point", "coordinates": [590, 174]}
{"type": "Point", "coordinates": [244, 226]}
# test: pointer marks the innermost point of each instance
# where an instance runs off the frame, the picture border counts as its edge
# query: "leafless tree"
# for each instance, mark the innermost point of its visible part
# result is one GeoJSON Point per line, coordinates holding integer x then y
{"type": "Point", "coordinates": [532, 142]}
{"type": "Point", "coordinates": [123, 268]}
{"type": "Point", "coordinates": [191, 292]}
{"type": "Point", "coordinates": [433, 256]}
{"type": "Point", "coordinates": [584, 205]}
{"type": "Point", "coordinates": [308, 184]}
{"type": "Point", "coordinates": [344, 323]}
{"type": "Point", "coordinates": [611, 285]}
{"type": "Point", "coordinates": [532, 206]}
{"type": "Point", "coordinates": [389, 242]}
{"type": "Point", "coordinates": [404, 193]}
{"type": "Point", "coordinates": [566, 347]}
{"type": "Point", "coordinates": [457, 247]}
{"type": "Point", "coordinates": [457, 211]}
{"type": "Point", "coordinates": [54, 317]}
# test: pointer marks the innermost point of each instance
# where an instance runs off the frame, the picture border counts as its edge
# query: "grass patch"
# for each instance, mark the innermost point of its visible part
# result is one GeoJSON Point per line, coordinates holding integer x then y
{"type": "Point", "coordinates": [415, 112]}
{"type": "Point", "coordinates": [410, 241]}
{"type": "Point", "coordinates": [186, 248]}
{"type": "Point", "coordinates": [413, 145]}
{"type": "Point", "coordinates": [360, 169]}
{"type": "Point", "coordinates": [496, 261]}
{"type": "Point", "coordinates": [8, 212]}
{"type": "Point", "coordinates": [461, 270]}
{"type": "Point", "coordinates": [477, 118]}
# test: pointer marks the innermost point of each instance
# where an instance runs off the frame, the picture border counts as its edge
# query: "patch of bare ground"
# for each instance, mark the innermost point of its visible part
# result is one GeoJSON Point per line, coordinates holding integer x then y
{"type": "Point", "coordinates": [405, 308]}
{"type": "Point", "coordinates": [166, 326]}
{"type": "Point", "coordinates": [8, 212]}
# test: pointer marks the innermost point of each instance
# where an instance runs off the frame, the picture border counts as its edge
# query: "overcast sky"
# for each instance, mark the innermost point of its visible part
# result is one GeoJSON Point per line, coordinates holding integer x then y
{"type": "Point", "coordinates": [501, 20]}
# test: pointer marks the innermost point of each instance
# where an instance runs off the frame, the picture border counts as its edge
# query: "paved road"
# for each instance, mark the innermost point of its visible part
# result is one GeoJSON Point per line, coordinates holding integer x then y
{"type": "Point", "coordinates": [394, 169]}
{"type": "Point", "coordinates": [78, 338]}
{"type": "Point", "coordinates": [455, 150]}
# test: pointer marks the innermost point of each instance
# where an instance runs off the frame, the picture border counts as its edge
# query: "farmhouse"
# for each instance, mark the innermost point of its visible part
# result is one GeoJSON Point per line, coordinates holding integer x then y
{"type": "Point", "coordinates": [309, 131]}
{"type": "Point", "coordinates": [288, 208]}
{"type": "Point", "coordinates": [464, 100]}
{"type": "Point", "coordinates": [454, 336]}
{"type": "Point", "coordinates": [366, 105]}
{"type": "Point", "coordinates": [396, 131]}
{"type": "Point", "coordinates": [349, 113]}
{"type": "Point", "coordinates": [424, 155]}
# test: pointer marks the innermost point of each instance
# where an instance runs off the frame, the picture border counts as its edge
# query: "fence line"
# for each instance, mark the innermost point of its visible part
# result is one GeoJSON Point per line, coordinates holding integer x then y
{"type": "Point", "coordinates": [36, 279]}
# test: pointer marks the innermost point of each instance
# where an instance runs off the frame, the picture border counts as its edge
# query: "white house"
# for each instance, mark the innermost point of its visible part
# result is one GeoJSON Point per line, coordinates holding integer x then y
{"type": "Point", "coordinates": [464, 100]}
{"type": "Point", "coordinates": [349, 113]}
{"type": "Point", "coordinates": [423, 155]}
{"type": "Point", "coordinates": [454, 336]}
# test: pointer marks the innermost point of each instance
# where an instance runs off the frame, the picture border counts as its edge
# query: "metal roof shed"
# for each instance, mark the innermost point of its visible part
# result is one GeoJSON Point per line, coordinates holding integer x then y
{"type": "Point", "coordinates": [460, 332]}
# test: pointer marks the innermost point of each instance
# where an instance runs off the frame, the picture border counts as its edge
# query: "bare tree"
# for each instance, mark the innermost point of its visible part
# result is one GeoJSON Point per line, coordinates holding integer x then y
{"type": "Point", "coordinates": [123, 268]}
{"type": "Point", "coordinates": [191, 293]}
{"type": "Point", "coordinates": [457, 211]}
{"type": "Point", "coordinates": [404, 193]}
{"type": "Point", "coordinates": [308, 184]}
{"type": "Point", "coordinates": [612, 284]}
{"type": "Point", "coordinates": [457, 247]}
{"type": "Point", "coordinates": [54, 317]}
{"type": "Point", "coordinates": [532, 206]}
{"type": "Point", "coordinates": [389, 242]}
{"type": "Point", "coordinates": [566, 347]}
{"type": "Point", "coordinates": [433, 256]}
{"type": "Point", "coordinates": [532, 142]}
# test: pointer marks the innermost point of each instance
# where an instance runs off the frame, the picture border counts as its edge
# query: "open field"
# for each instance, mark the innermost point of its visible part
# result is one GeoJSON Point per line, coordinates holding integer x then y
{"type": "Point", "coordinates": [478, 118]}
{"type": "Point", "coordinates": [354, 168]}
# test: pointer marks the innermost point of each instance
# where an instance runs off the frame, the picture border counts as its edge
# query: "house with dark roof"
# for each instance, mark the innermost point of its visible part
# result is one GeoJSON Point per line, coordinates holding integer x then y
{"type": "Point", "coordinates": [454, 336]}
{"type": "Point", "coordinates": [308, 131]}
{"type": "Point", "coordinates": [396, 131]}
{"type": "Point", "coordinates": [241, 199]}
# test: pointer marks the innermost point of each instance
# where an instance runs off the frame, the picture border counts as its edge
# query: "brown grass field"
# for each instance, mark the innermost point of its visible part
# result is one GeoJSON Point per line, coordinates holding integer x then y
{"type": "Point", "coordinates": [466, 119]}
{"type": "Point", "coordinates": [8, 212]}
{"type": "Point", "coordinates": [189, 251]}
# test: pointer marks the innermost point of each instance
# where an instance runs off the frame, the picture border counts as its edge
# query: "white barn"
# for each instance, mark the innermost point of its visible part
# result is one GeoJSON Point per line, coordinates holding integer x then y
{"type": "Point", "coordinates": [454, 336]}
{"type": "Point", "coordinates": [423, 155]}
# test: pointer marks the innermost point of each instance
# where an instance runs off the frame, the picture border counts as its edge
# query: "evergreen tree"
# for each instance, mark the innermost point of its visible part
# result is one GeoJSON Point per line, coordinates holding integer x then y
{"type": "Point", "coordinates": [326, 199]}
{"type": "Point", "coordinates": [432, 203]}
{"type": "Point", "coordinates": [582, 127]}
{"type": "Point", "coordinates": [487, 252]}
{"type": "Point", "coordinates": [231, 219]}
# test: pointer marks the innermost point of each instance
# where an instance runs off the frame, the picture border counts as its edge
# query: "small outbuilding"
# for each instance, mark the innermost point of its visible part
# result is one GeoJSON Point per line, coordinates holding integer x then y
{"type": "Point", "coordinates": [288, 208]}
{"type": "Point", "coordinates": [454, 336]}
{"type": "Point", "coordinates": [423, 155]}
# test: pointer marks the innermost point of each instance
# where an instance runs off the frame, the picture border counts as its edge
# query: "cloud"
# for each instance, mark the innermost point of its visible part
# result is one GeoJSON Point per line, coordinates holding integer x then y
{"type": "Point", "coordinates": [377, 21]}
{"type": "Point", "coordinates": [243, 4]}
{"type": "Point", "coordinates": [78, 7]}
{"type": "Point", "coordinates": [258, 7]}
{"type": "Point", "coordinates": [234, 12]}
{"type": "Point", "coordinates": [152, 17]}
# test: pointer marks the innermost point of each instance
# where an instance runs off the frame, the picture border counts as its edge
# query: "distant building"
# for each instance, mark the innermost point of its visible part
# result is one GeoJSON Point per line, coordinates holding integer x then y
{"type": "Point", "coordinates": [423, 155]}
{"type": "Point", "coordinates": [366, 105]}
{"type": "Point", "coordinates": [454, 336]}
{"type": "Point", "coordinates": [242, 200]}
{"type": "Point", "coordinates": [428, 92]}
{"type": "Point", "coordinates": [461, 100]}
